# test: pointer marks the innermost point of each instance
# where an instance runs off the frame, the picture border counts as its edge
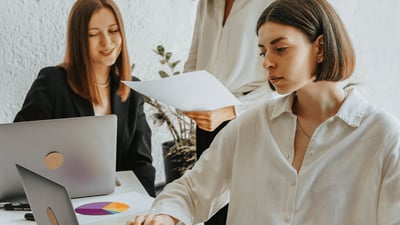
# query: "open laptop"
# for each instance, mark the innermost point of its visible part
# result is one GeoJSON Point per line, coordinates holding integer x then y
{"type": "Point", "coordinates": [78, 153]}
{"type": "Point", "coordinates": [53, 208]}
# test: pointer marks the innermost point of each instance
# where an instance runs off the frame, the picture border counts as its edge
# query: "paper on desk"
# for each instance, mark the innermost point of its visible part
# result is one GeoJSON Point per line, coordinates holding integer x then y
{"type": "Point", "coordinates": [139, 204]}
{"type": "Point", "coordinates": [193, 91]}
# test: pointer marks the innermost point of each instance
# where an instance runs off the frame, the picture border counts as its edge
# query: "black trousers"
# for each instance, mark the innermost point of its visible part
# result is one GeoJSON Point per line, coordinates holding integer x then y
{"type": "Point", "coordinates": [203, 141]}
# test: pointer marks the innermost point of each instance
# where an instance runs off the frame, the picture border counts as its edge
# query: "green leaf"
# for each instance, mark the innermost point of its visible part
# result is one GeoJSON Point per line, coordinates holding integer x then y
{"type": "Point", "coordinates": [160, 50]}
{"type": "Point", "coordinates": [173, 65]}
{"type": "Point", "coordinates": [177, 73]}
{"type": "Point", "coordinates": [168, 56]}
{"type": "Point", "coordinates": [163, 74]}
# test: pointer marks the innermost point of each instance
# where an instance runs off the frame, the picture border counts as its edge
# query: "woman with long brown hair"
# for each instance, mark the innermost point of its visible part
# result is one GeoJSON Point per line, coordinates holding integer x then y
{"type": "Point", "coordinates": [88, 83]}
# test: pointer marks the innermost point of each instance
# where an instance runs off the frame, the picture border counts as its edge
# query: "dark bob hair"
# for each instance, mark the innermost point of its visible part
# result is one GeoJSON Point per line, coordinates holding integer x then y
{"type": "Point", "coordinates": [315, 18]}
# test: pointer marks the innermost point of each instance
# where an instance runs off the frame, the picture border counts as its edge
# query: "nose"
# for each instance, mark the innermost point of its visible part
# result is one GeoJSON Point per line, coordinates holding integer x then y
{"type": "Point", "coordinates": [267, 63]}
{"type": "Point", "coordinates": [105, 40]}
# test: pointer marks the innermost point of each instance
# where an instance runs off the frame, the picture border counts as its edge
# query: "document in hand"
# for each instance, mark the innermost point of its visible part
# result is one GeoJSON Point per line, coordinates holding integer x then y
{"type": "Point", "coordinates": [192, 91]}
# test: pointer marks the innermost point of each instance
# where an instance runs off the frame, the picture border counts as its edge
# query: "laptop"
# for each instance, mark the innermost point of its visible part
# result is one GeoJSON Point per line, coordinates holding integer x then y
{"type": "Point", "coordinates": [53, 208]}
{"type": "Point", "coordinates": [79, 153]}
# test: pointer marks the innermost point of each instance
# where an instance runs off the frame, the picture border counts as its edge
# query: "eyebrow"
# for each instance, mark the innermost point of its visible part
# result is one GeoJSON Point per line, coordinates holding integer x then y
{"type": "Point", "coordinates": [96, 28]}
{"type": "Point", "coordinates": [276, 40]}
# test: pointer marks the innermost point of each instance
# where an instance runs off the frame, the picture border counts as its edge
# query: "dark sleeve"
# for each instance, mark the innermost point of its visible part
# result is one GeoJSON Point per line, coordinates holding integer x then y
{"type": "Point", "coordinates": [39, 101]}
{"type": "Point", "coordinates": [142, 142]}
{"type": "Point", "coordinates": [139, 158]}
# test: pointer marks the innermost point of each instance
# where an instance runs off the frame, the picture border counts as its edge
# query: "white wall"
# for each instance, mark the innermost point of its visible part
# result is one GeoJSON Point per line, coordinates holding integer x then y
{"type": "Point", "coordinates": [32, 35]}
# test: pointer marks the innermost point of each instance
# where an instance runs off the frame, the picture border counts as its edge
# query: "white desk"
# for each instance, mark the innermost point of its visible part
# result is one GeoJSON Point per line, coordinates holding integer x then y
{"type": "Point", "coordinates": [130, 186]}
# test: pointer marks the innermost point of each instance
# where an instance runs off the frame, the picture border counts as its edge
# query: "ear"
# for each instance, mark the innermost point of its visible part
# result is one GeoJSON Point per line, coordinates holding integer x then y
{"type": "Point", "coordinates": [319, 44]}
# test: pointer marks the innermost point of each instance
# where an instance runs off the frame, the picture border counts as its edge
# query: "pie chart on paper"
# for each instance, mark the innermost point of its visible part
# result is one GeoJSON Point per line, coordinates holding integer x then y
{"type": "Point", "coordinates": [102, 208]}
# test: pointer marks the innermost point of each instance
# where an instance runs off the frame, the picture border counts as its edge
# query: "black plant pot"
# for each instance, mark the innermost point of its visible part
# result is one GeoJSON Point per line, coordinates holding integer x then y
{"type": "Point", "coordinates": [175, 164]}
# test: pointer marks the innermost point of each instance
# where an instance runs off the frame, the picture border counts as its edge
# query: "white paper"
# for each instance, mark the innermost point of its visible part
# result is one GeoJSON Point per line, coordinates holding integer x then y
{"type": "Point", "coordinates": [193, 91]}
{"type": "Point", "coordinates": [139, 204]}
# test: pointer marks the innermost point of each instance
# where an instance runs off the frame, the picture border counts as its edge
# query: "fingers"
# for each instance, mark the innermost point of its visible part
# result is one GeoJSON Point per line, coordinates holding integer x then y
{"type": "Point", "coordinates": [206, 126]}
{"type": "Point", "coordinates": [163, 219]}
{"type": "Point", "coordinates": [204, 120]}
{"type": "Point", "coordinates": [199, 115]}
{"type": "Point", "coordinates": [210, 120]}
{"type": "Point", "coordinates": [141, 220]}
{"type": "Point", "coordinates": [152, 220]}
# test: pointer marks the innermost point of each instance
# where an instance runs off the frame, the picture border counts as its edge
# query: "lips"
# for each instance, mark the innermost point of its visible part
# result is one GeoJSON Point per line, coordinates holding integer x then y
{"type": "Point", "coordinates": [275, 79]}
{"type": "Point", "coordinates": [107, 52]}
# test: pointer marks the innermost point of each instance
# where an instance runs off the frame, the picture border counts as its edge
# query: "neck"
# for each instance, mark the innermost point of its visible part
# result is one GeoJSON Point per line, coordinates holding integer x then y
{"type": "Point", "coordinates": [102, 74]}
{"type": "Point", "coordinates": [319, 100]}
{"type": "Point", "coordinates": [228, 7]}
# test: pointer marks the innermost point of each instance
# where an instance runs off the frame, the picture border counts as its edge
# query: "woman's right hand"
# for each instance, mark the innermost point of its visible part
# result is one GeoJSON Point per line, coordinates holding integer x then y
{"type": "Point", "coordinates": [161, 219]}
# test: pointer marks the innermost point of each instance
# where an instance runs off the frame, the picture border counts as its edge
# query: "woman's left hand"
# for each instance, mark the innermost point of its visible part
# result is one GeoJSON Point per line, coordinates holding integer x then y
{"type": "Point", "coordinates": [210, 120]}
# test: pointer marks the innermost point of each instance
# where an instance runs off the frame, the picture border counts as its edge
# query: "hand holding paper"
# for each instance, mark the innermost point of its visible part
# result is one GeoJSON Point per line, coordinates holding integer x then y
{"type": "Point", "coordinates": [193, 91]}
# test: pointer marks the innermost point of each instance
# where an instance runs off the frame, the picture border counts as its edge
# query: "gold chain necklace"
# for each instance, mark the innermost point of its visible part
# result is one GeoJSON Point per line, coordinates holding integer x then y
{"type": "Point", "coordinates": [298, 125]}
{"type": "Point", "coordinates": [302, 129]}
{"type": "Point", "coordinates": [103, 85]}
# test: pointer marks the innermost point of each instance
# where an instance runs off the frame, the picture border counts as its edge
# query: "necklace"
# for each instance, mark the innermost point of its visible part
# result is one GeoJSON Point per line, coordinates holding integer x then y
{"type": "Point", "coordinates": [103, 85]}
{"type": "Point", "coordinates": [302, 129]}
{"type": "Point", "coordinates": [298, 125]}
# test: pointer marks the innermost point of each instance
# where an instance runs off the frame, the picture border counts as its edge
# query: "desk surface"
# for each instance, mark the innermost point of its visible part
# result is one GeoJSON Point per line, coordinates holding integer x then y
{"type": "Point", "coordinates": [129, 184]}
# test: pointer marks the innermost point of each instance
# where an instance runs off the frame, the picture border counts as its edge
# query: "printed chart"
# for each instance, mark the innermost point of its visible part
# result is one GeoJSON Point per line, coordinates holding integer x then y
{"type": "Point", "coordinates": [102, 208]}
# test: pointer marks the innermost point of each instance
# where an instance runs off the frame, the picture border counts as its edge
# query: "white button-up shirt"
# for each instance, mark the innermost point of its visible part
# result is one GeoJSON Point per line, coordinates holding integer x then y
{"type": "Point", "coordinates": [230, 52]}
{"type": "Point", "coordinates": [350, 174]}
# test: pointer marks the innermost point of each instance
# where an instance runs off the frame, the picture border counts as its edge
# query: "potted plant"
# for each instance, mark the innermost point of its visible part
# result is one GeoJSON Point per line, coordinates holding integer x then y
{"type": "Point", "coordinates": [180, 152]}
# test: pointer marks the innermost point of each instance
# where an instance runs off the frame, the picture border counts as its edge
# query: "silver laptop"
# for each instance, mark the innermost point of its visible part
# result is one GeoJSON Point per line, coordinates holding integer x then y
{"type": "Point", "coordinates": [50, 202]}
{"type": "Point", "coordinates": [78, 153]}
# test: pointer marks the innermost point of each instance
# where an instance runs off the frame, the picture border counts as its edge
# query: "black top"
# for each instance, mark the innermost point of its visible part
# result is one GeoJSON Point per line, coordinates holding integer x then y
{"type": "Point", "coordinates": [51, 97]}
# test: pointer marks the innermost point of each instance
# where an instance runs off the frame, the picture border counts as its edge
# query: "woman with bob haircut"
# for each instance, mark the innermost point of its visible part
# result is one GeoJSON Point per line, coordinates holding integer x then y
{"type": "Point", "coordinates": [88, 83]}
{"type": "Point", "coordinates": [320, 154]}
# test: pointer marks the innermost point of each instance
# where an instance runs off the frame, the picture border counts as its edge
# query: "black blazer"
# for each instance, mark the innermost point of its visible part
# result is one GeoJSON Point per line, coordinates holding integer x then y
{"type": "Point", "coordinates": [51, 97]}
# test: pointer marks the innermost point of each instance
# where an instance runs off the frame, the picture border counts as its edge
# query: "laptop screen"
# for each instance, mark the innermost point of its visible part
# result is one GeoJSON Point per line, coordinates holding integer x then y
{"type": "Point", "coordinates": [78, 153]}
{"type": "Point", "coordinates": [55, 206]}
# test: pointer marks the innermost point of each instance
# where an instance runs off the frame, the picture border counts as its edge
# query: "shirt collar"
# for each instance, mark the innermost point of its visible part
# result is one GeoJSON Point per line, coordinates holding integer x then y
{"type": "Point", "coordinates": [282, 105]}
{"type": "Point", "coordinates": [351, 111]}
{"type": "Point", "coordinates": [353, 108]}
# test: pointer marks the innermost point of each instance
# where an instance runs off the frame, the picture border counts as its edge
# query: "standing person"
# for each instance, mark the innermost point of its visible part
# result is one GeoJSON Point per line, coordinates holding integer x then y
{"type": "Point", "coordinates": [224, 44]}
{"type": "Point", "coordinates": [320, 154]}
{"type": "Point", "coordinates": [88, 83]}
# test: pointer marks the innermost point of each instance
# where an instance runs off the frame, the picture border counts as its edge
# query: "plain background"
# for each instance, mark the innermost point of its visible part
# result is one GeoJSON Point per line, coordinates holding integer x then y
{"type": "Point", "coordinates": [32, 36]}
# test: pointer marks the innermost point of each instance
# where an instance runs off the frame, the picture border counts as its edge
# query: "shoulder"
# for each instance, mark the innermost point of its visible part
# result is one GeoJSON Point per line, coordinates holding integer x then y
{"type": "Point", "coordinates": [52, 71]}
{"type": "Point", "coordinates": [357, 110]}
{"type": "Point", "coordinates": [253, 117]}
{"type": "Point", "coordinates": [261, 115]}
{"type": "Point", "coordinates": [53, 74]}
{"type": "Point", "coordinates": [52, 78]}
{"type": "Point", "coordinates": [382, 121]}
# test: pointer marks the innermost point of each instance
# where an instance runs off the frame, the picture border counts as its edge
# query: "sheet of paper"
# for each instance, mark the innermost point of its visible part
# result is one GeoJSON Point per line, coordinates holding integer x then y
{"type": "Point", "coordinates": [193, 91]}
{"type": "Point", "coordinates": [138, 203]}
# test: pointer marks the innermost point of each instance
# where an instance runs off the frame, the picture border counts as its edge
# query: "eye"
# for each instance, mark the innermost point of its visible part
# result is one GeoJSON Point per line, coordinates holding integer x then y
{"type": "Point", "coordinates": [281, 49]}
{"type": "Point", "coordinates": [262, 54]}
{"type": "Point", "coordinates": [114, 30]}
{"type": "Point", "coordinates": [93, 34]}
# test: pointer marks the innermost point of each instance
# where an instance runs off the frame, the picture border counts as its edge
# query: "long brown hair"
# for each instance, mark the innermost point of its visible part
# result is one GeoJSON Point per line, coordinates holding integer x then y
{"type": "Point", "coordinates": [315, 18]}
{"type": "Point", "coordinates": [77, 63]}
